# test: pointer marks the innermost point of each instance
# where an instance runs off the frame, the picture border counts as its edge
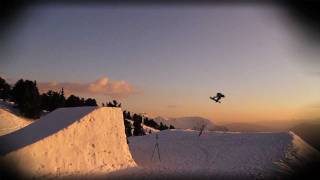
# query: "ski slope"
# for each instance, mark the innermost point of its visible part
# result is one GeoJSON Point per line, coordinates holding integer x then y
{"type": "Point", "coordinates": [183, 154]}
{"type": "Point", "coordinates": [90, 142]}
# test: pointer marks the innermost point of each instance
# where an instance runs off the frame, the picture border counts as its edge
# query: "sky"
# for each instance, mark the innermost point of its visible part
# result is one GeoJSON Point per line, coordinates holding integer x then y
{"type": "Point", "coordinates": [167, 60]}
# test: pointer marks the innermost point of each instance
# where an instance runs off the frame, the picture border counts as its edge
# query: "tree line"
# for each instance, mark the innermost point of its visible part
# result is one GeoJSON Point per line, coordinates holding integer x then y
{"type": "Point", "coordinates": [31, 103]}
{"type": "Point", "coordinates": [138, 120]}
{"type": "Point", "coordinates": [26, 97]}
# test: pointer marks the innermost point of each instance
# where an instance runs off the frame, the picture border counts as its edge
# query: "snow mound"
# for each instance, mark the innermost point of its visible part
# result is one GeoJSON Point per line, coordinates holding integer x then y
{"type": "Point", "coordinates": [214, 154]}
{"type": "Point", "coordinates": [69, 141]}
{"type": "Point", "coordinates": [10, 122]}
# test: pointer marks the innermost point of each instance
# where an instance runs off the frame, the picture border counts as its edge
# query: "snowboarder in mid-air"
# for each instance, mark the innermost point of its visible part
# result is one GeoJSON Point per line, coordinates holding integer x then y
{"type": "Point", "coordinates": [217, 97]}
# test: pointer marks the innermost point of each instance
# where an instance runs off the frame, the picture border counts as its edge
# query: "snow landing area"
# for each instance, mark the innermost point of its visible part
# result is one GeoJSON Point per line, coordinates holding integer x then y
{"type": "Point", "coordinates": [185, 155]}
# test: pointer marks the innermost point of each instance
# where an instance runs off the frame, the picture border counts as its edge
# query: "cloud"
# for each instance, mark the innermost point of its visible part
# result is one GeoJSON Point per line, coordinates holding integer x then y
{"type": "Point", "coordinates": [102, 86]}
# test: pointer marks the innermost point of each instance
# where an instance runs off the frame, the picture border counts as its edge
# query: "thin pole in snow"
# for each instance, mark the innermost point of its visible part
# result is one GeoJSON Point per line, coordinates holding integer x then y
{"type": "Point", "coordinates": [156, 147]}
{"type": "Point", "coordinates": [201, 130]}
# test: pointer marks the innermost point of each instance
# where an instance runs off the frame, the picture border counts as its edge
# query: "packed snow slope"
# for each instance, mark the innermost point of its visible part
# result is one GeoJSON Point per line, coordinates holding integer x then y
{"type": "Point", "coordinates": [69, 141]}
{"type": "Point", "coordinates": [9, 118]}
{"type": "Point", "coordinates": [183, 154]}
{"type": "Point", "coordinates": [10, 122]}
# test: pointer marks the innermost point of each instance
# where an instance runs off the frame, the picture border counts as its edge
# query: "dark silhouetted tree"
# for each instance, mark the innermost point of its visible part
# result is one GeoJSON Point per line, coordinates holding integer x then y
{"type": "Point", "coordinates": [114, 103]}
{"type": "Point", "coordinates": [25, 94]}
{"type": "Point", "coordinates": [52, 100]}
{"type": "Point", "coordinates": [151, 123]}
{"type": "Point", "coordinates": [127, 125]}
{"type": "Point", "coordinates": [129, 115]}
{"type": "Point", "coordinates": [163, 126]}
{"type": "Point", "coordinates": [5, 89]}
{"type": "Point", "coordinates": [126, 115]}
{"type": "Point", "coordinates": [171, 127]}
{"type": "Point", "coordinates": [82, 101]}
{"type": "Point", "coordinates": [73, 101]}
{"type": "Point", "coordinates": [90, 102]}
{"type": "Point", "coordinates": [128, 128]}
{"type": "Point", "coordinates": [138, 130]}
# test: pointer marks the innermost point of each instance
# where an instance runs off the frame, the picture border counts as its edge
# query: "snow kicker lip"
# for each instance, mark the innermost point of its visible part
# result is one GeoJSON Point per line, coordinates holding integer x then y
{"type": "Point", "coordinates": [44, 127]}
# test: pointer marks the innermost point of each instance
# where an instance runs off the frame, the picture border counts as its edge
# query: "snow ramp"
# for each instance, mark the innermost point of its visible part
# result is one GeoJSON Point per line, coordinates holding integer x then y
{"type": "Point", "coordinates": [10, 122]}
{"type": "Point", "coordinates": [69, 141]}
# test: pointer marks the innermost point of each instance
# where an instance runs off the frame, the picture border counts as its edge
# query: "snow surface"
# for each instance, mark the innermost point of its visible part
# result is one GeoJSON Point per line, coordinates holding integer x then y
{"type": "Point", "coordinates": [10, 122]}
{"type": "Point", "coordinates": [90, 141]}
{"type": "Point", "coordinates": [184, 154]}
{"type": "Point", "coordinates": [81, 141]}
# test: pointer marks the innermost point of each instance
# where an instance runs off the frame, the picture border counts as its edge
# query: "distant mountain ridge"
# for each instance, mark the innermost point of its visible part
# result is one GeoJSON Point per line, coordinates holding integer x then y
{"type": "Point", "coordinates": [191, 122]}
{"type": "Point", "coordinates": [247, 127]}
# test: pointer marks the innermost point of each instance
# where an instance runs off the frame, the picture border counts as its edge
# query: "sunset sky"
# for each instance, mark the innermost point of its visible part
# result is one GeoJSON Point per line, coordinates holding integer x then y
{"type": "Point", "coordinates": [168, 60]}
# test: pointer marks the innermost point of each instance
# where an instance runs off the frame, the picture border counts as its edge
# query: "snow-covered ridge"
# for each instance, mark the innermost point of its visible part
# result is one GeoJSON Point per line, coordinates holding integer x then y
{"type": "Point", "coordinates": [81, 141]}
{"type": "Point", "coordinates": [10, 122]}
{"type": "Point", "coordinates": [88, 141]}
{"type": "Point", "coordinates": [10, 119]}
{"type": "Point", "coordinates": [42, 128]}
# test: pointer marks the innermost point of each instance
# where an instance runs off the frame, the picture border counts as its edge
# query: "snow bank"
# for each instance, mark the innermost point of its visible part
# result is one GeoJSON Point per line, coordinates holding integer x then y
{"type": "Point", "coordinates": [299, 155]}
{"type": "Point", "coordinates": [10, 118]}
{"type": "Point", "coordinates": [10, 122]}
{"type": "Point", "coordinates": [69, 141]}
{"type": "Point", "coordinates": [213, 154]}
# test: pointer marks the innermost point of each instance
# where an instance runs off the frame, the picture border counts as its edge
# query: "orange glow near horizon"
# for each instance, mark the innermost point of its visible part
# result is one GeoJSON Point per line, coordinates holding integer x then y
{"type": "Point", "coordinates": [169, 61]}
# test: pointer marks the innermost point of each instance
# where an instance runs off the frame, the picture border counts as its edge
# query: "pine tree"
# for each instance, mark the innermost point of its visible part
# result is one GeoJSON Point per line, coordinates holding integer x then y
{"type": "Point", "coordinates": [124, 114]}
{"type": "Point", "coordinates": [128, 128]}
{"type": "Point", "coordinates": [62, 92]}
{"type": "Point", "coordinates": [128, 115]}
{"type": "Point", "coordinates": [25, 94]}
{"type": "Point", "coordinates": [114, 103]}
{"type": "Point", "coordinates": [90, 102]}
{"type": "Point", "coordinates": [73, 101]}
{"type": "Point", "coordinates": [151, 123]}
{"type": "Point", "coordinates": [52, 100]}
{"type": "Point", "coordinates": [138, 130]}
{"type": "Point", "coordinates": [4, 89]}
{"type": "Point", "coordinates": [163, 126]}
